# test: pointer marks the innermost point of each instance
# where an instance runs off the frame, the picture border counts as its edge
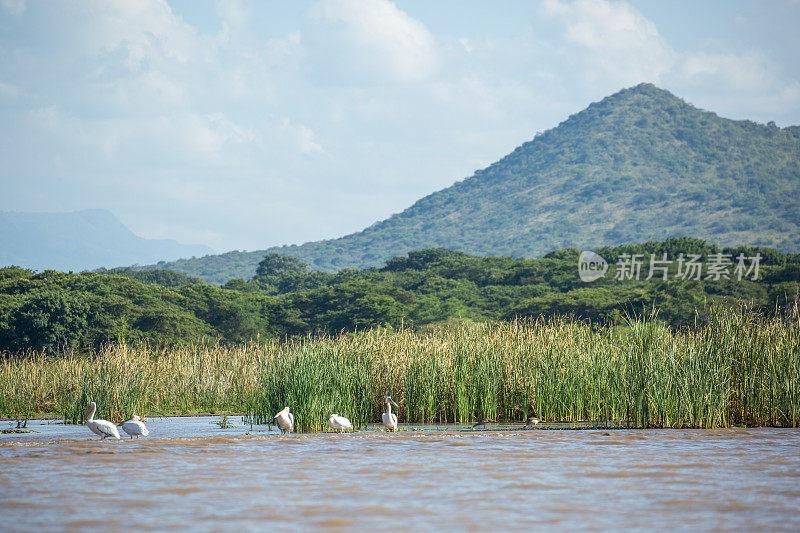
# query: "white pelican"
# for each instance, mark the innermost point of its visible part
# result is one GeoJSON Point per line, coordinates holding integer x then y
{"type": "Point", "coordinates": [339, 423]}
{"type": "Point", "coordinates": [285, 420]}
{"type": "Point", "coordinates": [104, 428]}
{"type": "Point", "coordinates": [135, 426]}
{"type": "Point", "coordinates": [389, 418]}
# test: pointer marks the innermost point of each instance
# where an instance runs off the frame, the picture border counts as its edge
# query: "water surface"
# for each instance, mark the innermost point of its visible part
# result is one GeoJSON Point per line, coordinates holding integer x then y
{"type": "Point", "coordinates": [191, 474]}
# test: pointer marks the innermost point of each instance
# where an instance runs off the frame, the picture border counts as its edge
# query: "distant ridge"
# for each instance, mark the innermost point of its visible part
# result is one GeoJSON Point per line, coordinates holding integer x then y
{"type": "Point", "coordinates": [639, 165]}
{"type": "Point", "coordinates": [80, 240]}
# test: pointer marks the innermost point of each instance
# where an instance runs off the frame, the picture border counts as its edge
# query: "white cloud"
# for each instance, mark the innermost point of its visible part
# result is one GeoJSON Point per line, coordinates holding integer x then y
{"type": "Point", "coordinates": [264, 125]}
{"type": "Point", "coordinates": [749, 71]}
{"type": "Point", "coordinates": [282, 49]}
{"type": "Point", "coordinates": [732, 80]}
{"type": "Point", "coordinates": [479, 95]}
{"type": "Point", "coordinates": [235, 17]}
{"type": "Point", "coordinates": [616, 38]}
{"type": "Point", "coordinates": [130, 58]}
{"type": "Point", "coordinates": [46, 118]}
{"type": "Point", "coordinates": [613, 44]}
{"type": "Point", "coordinates": [208, 134]}
{"type": "Point", "coordinates": [303, 137]}
{"type": "Point", "coordinates": [15, 8]}
{"type": "Point", "coordinates": [9, 91]}
{"type": "Point", "coordinates": [380, 37]}
{"type": "Point", "coordinates": [144, 31]}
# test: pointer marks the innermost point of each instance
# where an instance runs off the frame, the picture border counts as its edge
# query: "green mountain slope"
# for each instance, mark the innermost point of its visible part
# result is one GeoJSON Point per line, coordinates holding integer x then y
{"type": "Point", "coordinates": [639, 165]}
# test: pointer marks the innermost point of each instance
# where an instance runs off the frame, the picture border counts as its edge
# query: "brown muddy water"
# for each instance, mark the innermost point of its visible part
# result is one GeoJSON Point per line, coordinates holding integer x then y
{"type": "Point", "coordinates": [191, 475]}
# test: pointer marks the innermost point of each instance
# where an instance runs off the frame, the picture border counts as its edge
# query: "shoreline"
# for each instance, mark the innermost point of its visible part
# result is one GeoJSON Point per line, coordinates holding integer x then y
{"type": "Point", "coordinates": [502, 426]}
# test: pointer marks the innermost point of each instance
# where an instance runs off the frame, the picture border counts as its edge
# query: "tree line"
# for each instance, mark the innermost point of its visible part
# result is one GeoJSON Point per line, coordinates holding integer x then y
{"type": "Point", "coordinates": [56, 311]}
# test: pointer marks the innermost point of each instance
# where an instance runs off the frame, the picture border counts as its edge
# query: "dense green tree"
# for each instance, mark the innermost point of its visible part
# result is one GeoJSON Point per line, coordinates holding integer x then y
{"type": "Point", "coordinates": [55, 311]}
{"type": "Point", "coordinates": [49, 321]}
{"type": "Point", "coordinates": [279, 265]}
{"type": "Point", "coordinates": [166, 278]}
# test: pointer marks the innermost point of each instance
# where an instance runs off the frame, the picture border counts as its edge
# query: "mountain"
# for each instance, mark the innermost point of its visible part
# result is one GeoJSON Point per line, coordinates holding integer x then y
{"type": "Point", "coordinates": [80, 240]}
{"type": "Point", "coordinates": [639, 165]}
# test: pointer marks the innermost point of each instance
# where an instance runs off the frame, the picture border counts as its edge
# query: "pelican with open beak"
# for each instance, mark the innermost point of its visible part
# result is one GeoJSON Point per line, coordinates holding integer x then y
{"type": "Point", "coordinates": [389, 418]}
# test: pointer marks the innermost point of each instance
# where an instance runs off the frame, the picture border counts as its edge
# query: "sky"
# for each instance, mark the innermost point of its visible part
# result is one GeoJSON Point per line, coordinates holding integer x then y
{"type": "Point", "coordinates": [245, 125]}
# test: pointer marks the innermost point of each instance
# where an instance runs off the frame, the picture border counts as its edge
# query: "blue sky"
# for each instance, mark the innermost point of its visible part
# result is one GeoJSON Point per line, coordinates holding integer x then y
{"type": "Point", "coordinates": [243, 125]}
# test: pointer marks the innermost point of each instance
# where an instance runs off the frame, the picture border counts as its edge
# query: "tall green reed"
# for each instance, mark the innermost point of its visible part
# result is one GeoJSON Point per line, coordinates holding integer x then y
{"type": "Point", "coordinates": [735, 367]}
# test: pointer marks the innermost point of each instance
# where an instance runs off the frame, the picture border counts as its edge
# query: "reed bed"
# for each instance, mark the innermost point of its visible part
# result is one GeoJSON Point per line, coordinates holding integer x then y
{"type": "Point", "coordinates": [737, 368]}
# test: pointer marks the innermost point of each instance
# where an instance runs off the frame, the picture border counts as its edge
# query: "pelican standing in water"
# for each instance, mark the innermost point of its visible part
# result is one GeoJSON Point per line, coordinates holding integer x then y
{"type": "Point", "coordinates": [285, 421]}
{"type": "Point", "coordinates": [104, 428]}
{"type": "Point", "coordinates": [339, 423]}
{"type": "Point", "coordinates": [389, 418]}
{"type": "Point", "coordinates": [135, 426]}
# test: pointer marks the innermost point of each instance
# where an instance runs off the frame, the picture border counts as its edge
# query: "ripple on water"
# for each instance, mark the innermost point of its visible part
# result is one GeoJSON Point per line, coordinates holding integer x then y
{"type": "Point", "coordinates": [86, 523]}
{"type": "Point", "coordinates": [372, 480]}
{"type": "Point", "coordinates": [335, 522]}
{"type": "Point", "coordinates": [607, 443]}
{"type": "Point", "coordinates": [180, 490]}
{"type": "Point", "coordinates": [531, 486]}
{"type": "Point", "coordinates": [14, 504]}
{"type": "Point", "coordinates": [621, 474]}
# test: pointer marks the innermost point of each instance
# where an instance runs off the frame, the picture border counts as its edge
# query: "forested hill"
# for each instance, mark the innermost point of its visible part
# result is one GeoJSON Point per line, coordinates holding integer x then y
{"type": "Point", "coordinates": [641, 164]}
